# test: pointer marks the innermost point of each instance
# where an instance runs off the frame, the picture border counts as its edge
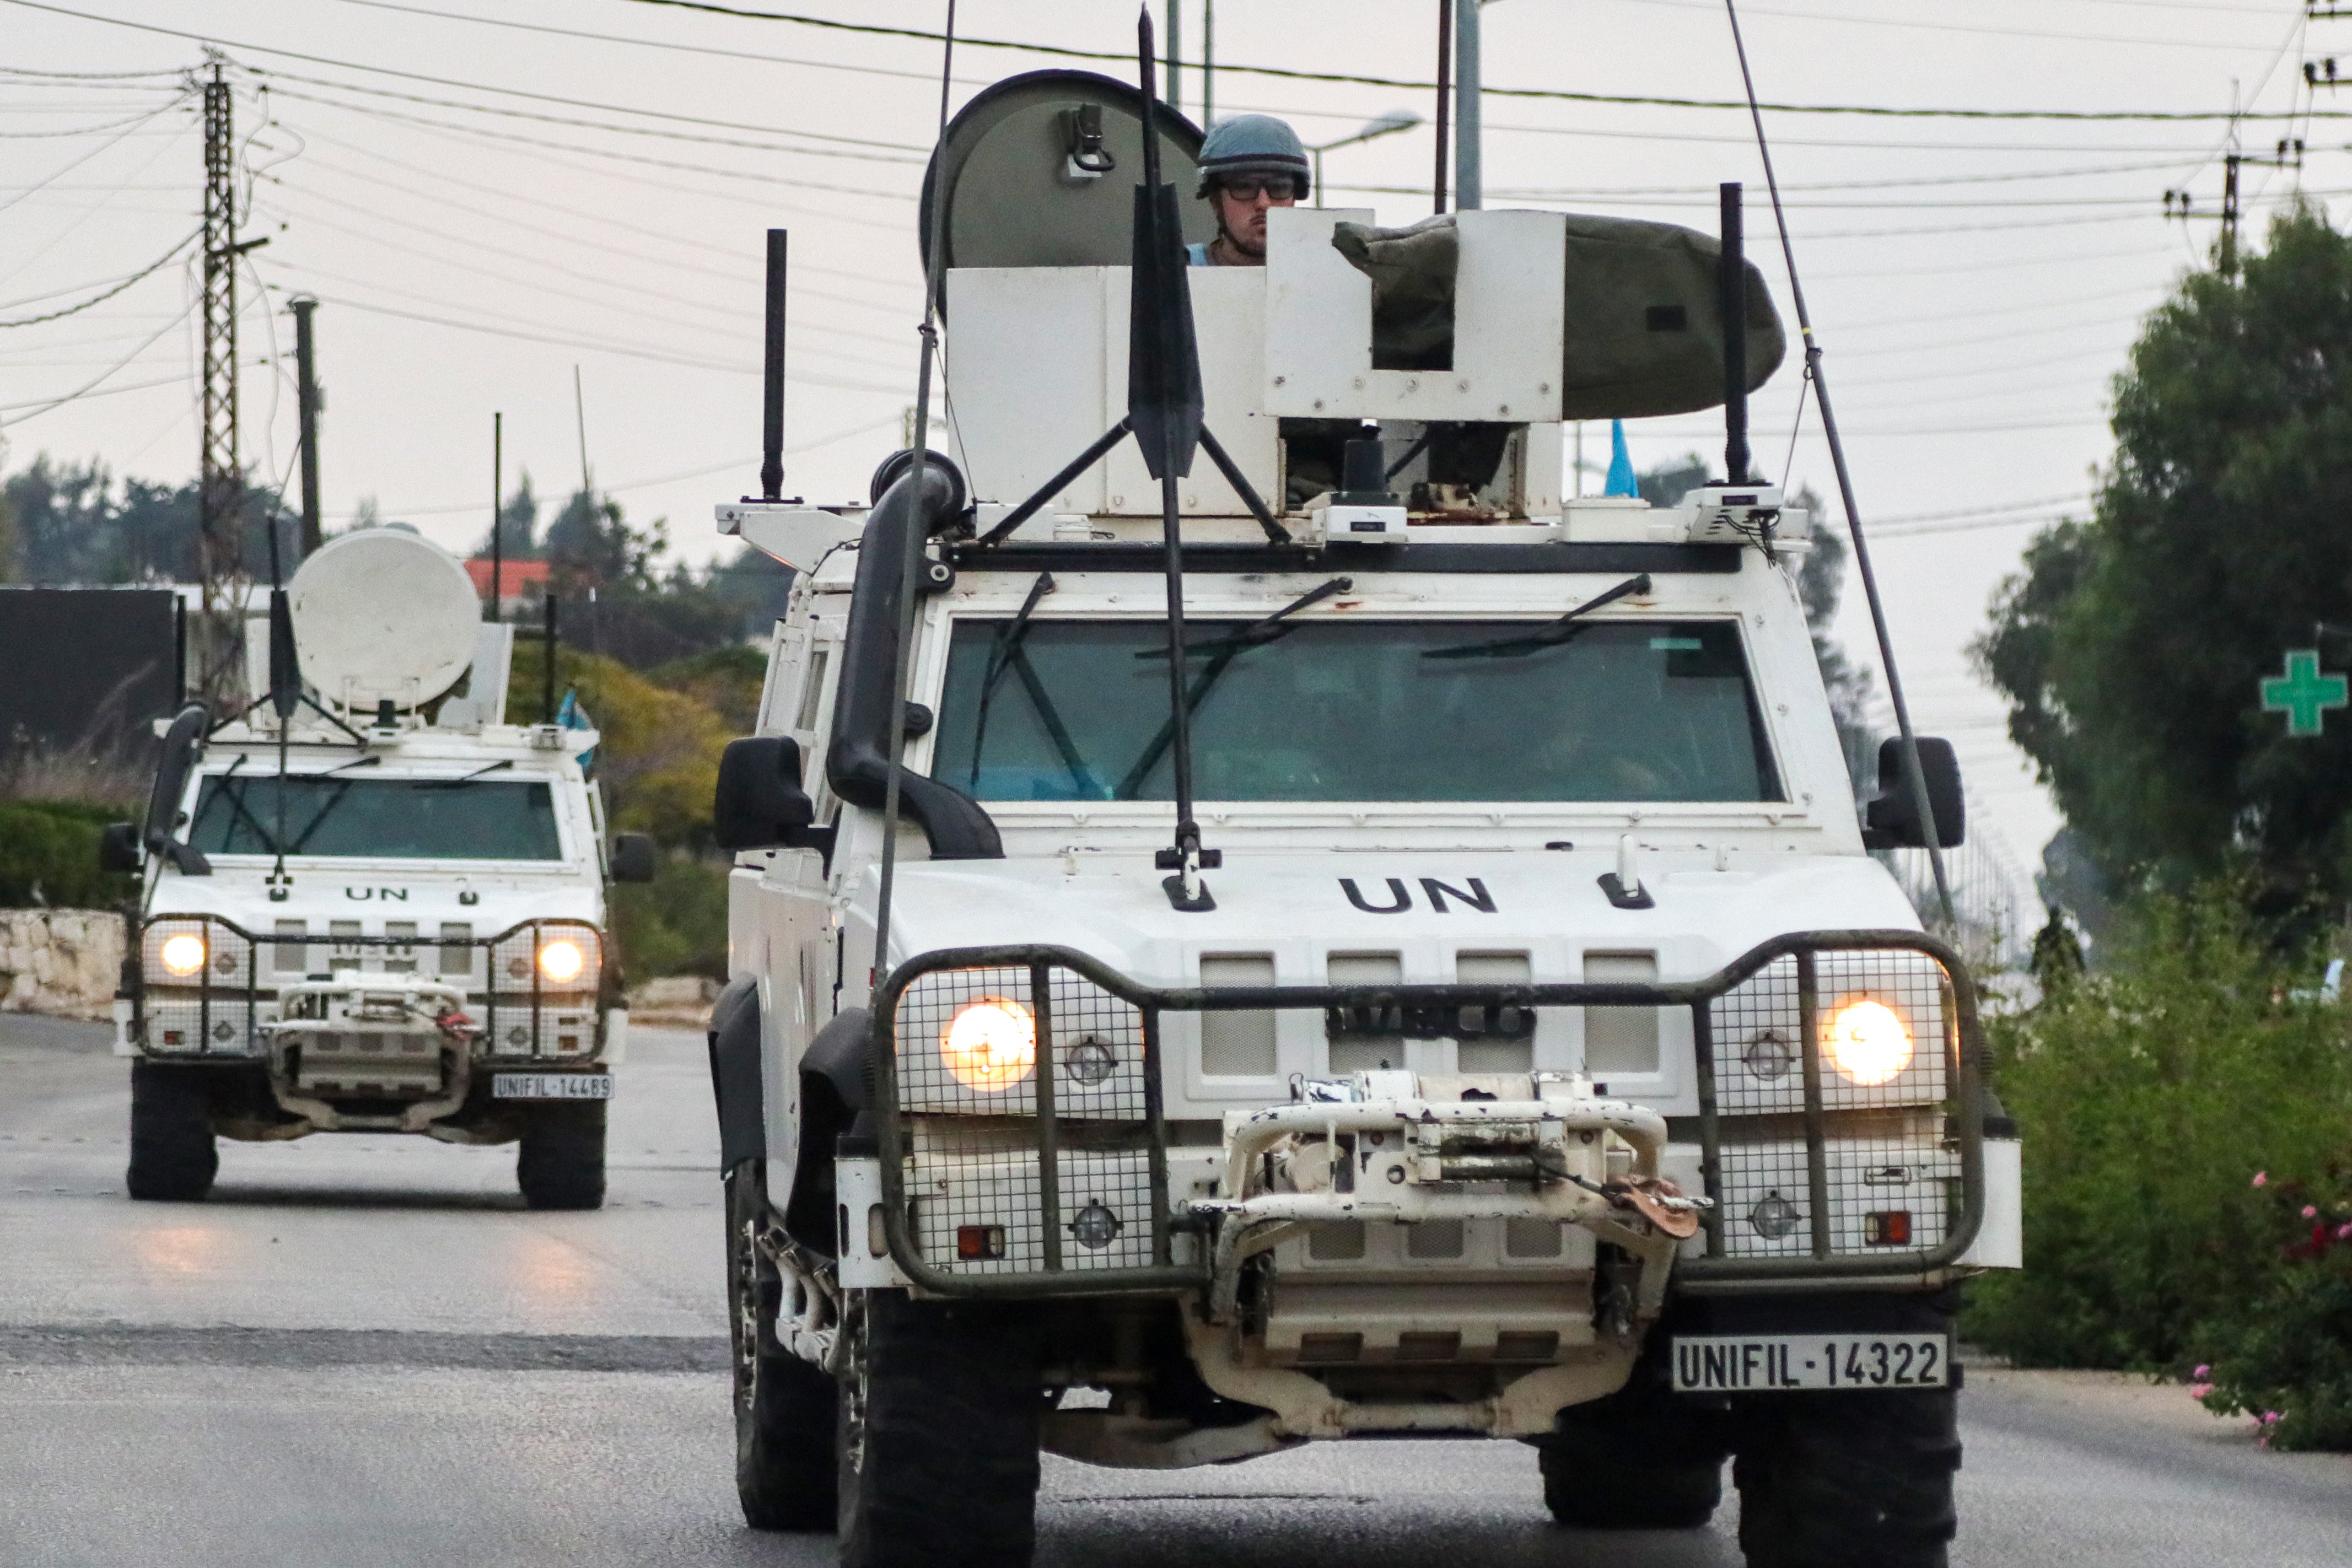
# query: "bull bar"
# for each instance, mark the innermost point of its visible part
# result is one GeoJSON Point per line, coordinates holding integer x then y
{"type": "Point", "coordinates": [1786, 982]}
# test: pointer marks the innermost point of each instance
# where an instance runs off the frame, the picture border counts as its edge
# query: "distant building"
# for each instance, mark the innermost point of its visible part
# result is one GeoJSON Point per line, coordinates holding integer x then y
{"type": "Point", "coordinates": [519, 582]}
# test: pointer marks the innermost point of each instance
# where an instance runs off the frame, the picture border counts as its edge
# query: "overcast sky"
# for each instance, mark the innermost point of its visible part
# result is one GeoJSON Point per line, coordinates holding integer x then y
{"type": "Point", "coordinates": [1975, 281]}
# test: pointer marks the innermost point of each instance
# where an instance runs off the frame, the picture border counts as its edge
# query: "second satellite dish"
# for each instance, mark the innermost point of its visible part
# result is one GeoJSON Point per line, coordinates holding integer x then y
{"type": "Point", "coordinates": [383, 615]}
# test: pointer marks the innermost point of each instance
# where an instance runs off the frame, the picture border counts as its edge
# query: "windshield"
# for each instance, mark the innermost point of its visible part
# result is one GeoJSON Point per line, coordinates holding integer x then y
{"type": "Point", "coordinates": [396, 819]}
{"type": "Point", "coordinates": [1355, 710]}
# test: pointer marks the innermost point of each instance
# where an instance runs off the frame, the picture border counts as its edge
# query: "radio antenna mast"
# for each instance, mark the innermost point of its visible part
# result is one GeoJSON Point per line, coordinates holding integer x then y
{"type": "Point", "coordinates": [1915, 778]}
{"type": "Point", "coordinates": [909, 596]}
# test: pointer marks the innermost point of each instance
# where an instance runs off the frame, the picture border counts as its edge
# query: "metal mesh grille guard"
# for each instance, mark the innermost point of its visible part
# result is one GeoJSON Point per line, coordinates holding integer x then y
{"type": "Point", "coordinates": [1801, 1159]}
{"type": "Point", "coordinates": [217, 1011]}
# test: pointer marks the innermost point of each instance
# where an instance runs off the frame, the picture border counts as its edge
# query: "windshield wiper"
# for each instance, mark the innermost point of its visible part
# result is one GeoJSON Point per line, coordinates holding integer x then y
{"type": "Point", "coordinates": [331, 801]}
{"type": "Point", "coordinates": [235, 796]}
{"type": "Point", "coordinates": [1006, 656]}
{"type": "Point", "coordinates": [469, 778]}
{"type": "Point", "coordinates": [1549, 635]}
{"type": "Point", "coordinates": [1221, 655]}
{"type": "Point", "coordinates": [1259, 632]}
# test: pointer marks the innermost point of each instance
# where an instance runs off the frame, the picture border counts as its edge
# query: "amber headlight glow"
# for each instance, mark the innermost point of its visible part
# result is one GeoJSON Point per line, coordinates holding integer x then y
{"type": "Point", "coordinates": [184, 954]}
{"type": "Point", "coordinates": [990, 1044]}
{"type": "Point", "coordinates": [1867, 1041]}
{"type": "Point", "coordinates": [562, 961]}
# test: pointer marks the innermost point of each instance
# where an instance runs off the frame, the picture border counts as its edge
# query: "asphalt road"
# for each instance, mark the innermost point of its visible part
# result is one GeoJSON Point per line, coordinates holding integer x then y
{"type": "Point", "coordinates": [364, 1351]}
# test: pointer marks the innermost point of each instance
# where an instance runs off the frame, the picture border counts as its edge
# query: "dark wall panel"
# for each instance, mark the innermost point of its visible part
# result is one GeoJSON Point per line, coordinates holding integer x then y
{"type": "Point", "coordinates": [85, 667]}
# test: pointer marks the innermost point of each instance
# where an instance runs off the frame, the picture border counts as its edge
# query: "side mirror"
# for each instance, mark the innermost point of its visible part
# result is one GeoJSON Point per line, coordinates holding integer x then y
{"type": "Point", "coordinates": [633, 857]}
{"type": "Point", "coordinates": [760, 804]}
{"type": "Point", "coordinates": [118, 847]}
{"type": "Point", "coordinates": [1890, 822]}
{"type": "Point", "coordinates": [183, 746]}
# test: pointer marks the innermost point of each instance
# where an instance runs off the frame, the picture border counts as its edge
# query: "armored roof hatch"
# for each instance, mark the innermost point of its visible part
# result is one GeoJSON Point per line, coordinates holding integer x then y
{"type": "Point", "coordinates": [1040, 171]}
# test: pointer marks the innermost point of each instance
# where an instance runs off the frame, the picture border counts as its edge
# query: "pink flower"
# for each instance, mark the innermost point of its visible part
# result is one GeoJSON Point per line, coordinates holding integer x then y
{"type": "Point", "coordinates": [2310, 1212]}
{"type": "Point", "coordinates": [2261, 1179]}
{"type": "Point", "coordinates": [2344, 1233]}
{"type": "Point", "coordinates": [2199, 1390]}
{"type": "Point", "coordinates": [2202, 1372]}
{"type": "Point", "coordinates": [2272, 1417]}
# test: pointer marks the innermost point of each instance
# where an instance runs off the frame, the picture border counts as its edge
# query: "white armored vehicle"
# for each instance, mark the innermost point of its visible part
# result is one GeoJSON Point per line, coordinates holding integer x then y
{"type": "Point", "coordinates": [368, 902]}
{"type": "Point", "coordinates": [1392, 957]}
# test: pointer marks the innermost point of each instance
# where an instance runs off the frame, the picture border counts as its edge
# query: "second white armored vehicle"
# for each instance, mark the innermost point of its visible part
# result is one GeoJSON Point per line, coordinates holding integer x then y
{"type": "Point", "coordinates": [1517, 1039]}
{"type": "Point", "coordinates": [380, 908]}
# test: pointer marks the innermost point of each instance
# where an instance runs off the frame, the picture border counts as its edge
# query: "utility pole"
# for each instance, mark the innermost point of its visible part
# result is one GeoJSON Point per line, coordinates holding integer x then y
{"type": "Point", "coordinates": [580, 414]}
{"type": "Point", "coordinates": [220, 480]}
{"type": "Point", "coordinates": [1468, 181]}
{"type": "Point", "coordinates": [309, 401]}
{"type": "Point", "coordinates": [1208, 63]}
{"type": "Point", "coordinates": [219, 538]}
{"type": "Point", "coordinates": [1445, 85]}
{"type": "Point", "coordinates": [1176, 56]}
{"type": "Point", "coordinates": [2182, 205]}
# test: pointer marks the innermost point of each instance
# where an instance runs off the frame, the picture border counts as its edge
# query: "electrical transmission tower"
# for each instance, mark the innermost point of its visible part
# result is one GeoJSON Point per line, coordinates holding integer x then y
{"type": "Point", "coordinates": [220, 481]}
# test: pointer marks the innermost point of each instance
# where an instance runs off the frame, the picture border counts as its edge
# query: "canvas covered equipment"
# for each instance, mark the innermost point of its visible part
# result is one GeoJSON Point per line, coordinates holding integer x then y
{"type": "Point", "coordinates": [1644, 334]}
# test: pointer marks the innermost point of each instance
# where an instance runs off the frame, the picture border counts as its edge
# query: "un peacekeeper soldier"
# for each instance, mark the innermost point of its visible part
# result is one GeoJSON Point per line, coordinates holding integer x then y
{"type": "Point", "coordinates": [1248, 164]}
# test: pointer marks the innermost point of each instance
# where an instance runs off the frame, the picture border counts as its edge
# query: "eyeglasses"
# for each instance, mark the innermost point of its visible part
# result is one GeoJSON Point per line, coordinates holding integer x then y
{"type": "Point", "coordinates": [1250, 189]}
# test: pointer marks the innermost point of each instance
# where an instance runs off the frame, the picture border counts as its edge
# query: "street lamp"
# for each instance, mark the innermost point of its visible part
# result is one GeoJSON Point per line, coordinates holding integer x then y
{"type": "Point", "coordinates": [1394, 121]}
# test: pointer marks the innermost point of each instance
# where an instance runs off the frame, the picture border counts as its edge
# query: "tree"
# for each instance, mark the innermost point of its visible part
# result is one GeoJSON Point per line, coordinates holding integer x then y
{"type": "Point", "coordinates": [74, 524]}
{"type": "Point", "coordinates": [1820, 584]}
{"type": "Point", "coordinates": [518, 524]}
{"type": "Point", "coordinates": [2130, 647]}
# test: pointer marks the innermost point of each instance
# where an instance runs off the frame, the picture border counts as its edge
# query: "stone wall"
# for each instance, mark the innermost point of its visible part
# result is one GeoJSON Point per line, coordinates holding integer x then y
{"type": "Point", "coordinates": [66, 962]}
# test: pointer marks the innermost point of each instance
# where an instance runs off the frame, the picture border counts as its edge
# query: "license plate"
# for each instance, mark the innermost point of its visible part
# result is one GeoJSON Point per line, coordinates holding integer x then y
{"type": "Point", "coordinates": [1745, 1363]}
{"type": "Point", "coordinates": [550, 1086]}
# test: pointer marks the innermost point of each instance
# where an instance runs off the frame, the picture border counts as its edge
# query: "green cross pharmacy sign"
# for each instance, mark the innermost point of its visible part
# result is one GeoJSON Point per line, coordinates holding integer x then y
{"type": "Point", "coordinates": [2303, 693]}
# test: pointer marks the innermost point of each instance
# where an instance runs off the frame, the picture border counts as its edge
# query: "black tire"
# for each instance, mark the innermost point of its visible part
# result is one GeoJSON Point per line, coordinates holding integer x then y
{"type": "Point", "coordinates": [1849, 1480]}
{"type": "Point", "coordinates": [561, 1162]}
{"type": "Point", "coordinates": [1634, 1460]}
{"type": "Point", "coordinates": [938, 1435]}
{"type": "Point", "coordinates": [173, 1157]}
{"type": "Point", "coordinates": [784, 1407]}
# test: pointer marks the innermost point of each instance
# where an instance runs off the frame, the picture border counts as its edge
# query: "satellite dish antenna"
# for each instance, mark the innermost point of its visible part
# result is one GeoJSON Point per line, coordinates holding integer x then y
{"type": "Point", "coordinates": [383, 616]}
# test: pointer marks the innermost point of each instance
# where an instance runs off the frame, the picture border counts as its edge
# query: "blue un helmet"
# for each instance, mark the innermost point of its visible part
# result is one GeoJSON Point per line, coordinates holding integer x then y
{"type": "Point", "coordinates": [1253, 144]}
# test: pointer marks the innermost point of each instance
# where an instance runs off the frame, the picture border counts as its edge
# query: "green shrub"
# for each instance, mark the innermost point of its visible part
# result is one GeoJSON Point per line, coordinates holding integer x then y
{"type": "Point", "coordinates": [2286, 1357]}
{"type": "Point", "coordinates": [676, 924]}
{"type": "Point", "coordinates": [2148, 1094]}
{"type": "Point", "coordinates": [48, 855]}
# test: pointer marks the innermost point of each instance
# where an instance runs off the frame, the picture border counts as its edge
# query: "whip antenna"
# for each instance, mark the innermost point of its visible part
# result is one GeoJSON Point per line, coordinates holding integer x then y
{"type": "Point", "coordinates": [911, 566]}
{"type": "Point", "coordinates": [1915, 778]}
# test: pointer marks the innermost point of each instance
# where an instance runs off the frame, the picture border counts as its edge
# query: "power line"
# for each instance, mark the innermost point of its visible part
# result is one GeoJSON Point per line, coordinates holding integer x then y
{"type": "Point", "coordinates": [140, 119]}
{"type": "Point", "coordinates": [510, 221]}
{"type": "Point", "coordinates": [601, 125]}
{"type": "Point", "coordinates": [926, 77]}
{"type": "Point", "coordinates": [606, 220]}
{"type": "Point", "coordinates": [100, 150]}
{"type": "Point", "coordinates": [703, 326]}
{"type": "Point", "coordinates": [1412, 84]}
{"type": "Point", "coordinates": [216, 41]}
{"type": "Point", "coordinates": [173, 74]}
{"type": "Point", "coordinates": [626, 350]}
{"type": "Point", "coordinates": [1852, 20]}
{"type": "Point", "coordinates": [485, 131]}
{"type": "Point", "coordinates": [702, 473]}
{"type": "Point", "coordinates": [89, 388]}
{"type": "Point", "coordinates": [144, 272]}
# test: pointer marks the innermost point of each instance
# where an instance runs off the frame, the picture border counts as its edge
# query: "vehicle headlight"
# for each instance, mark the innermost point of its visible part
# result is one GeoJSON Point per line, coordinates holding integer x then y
{"type": "Point", "coordinates": [1867, 1041]}
{"type": "Point", "coordinates": [561, 960]}
{"type": "Point", "coordinates": [990, 1044]}
{"type": "Point", "coordinates": [184, 954]}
